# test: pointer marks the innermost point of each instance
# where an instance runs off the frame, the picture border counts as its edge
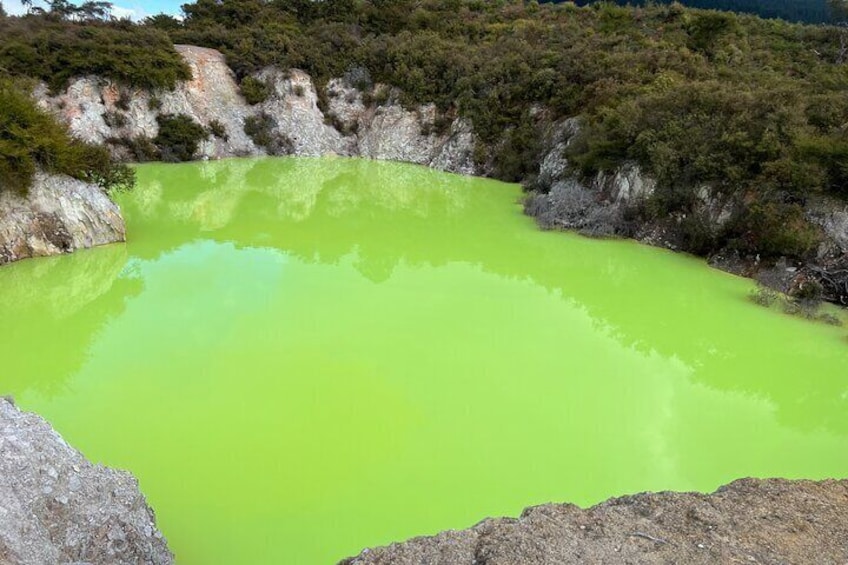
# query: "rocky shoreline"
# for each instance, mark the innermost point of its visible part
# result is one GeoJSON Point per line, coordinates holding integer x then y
{"type": "Point", "coordinates": [340, 119]}
{"type": "Point", "coordinates": [747, 521]}
{"type": "Point", "coordinates": [58, 215]}
{"type": "Point", "coordinates": [57, 507]}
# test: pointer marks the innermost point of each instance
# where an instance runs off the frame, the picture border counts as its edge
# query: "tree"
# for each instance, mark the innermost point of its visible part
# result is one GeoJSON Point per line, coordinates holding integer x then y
{"type": "Point", "coordinates": [838, 10]}
{"type": "Point", "coordinates": [61, 9]}
{"type": "Point", "coordinates": [95, 10]}
{"type": "Point", "coordinates": [163, 22]}
{"type": "Point", "coordinates": [839, 14]}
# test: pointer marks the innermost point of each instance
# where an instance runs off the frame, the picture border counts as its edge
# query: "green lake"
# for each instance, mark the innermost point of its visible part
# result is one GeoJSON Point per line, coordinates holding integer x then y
{"type": "Point", "coordinates": [300, 358]}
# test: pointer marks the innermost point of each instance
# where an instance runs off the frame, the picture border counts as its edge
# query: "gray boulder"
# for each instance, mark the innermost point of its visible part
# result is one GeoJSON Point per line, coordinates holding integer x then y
{"type": "Point", "coordinates": [58, 215]}
{"type": "Point", "coordinates": [748, 521]}
{"type": "Point", "coordinates": [56, 507]}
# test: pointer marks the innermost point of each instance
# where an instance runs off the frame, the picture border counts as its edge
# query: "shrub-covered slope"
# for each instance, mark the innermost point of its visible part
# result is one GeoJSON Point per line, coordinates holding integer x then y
{"type": "Point", "coordinates": [54, 46]}
{"type": "Point", "coordinates": [754, 108]}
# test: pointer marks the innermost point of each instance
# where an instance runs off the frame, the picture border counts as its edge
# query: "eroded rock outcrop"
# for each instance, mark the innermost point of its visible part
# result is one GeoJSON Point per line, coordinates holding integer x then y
{"type": "Point", "coordinates": [56, 507]}
{"type": "Point", "coordinates": [606, 205]}
{"type": "Point", "coordinates": [58, 215]}
{"type": "Point", "coordinates": [97, 110]}
{"type": "Point", "coordinates": [748, 521]}
{"type": "Point", "coordinates": [598, 206]}
{"type": "Point", "coordinates": [347, 120]}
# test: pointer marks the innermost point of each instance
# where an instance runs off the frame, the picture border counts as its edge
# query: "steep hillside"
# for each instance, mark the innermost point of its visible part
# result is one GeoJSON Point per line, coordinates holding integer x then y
{"type": "Point", "coordinates": [733, 122]}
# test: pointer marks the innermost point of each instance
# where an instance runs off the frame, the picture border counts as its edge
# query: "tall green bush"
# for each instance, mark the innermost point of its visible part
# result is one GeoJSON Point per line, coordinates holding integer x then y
{"type": "Point", "coordinates": [31, 140]}
{"type": "Point", "coordinates": [55, 51]}
{"type": "Point", "coordinates": [179, 137]}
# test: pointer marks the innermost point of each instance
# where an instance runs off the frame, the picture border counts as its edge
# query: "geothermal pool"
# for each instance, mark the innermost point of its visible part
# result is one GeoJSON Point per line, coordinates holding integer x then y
{"type": "Point", "coordinates": [300, 358]}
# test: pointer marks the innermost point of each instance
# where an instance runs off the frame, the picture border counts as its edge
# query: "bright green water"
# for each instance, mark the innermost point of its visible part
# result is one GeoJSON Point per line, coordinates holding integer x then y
{"type": "Point", "coordinates": [302, 358]}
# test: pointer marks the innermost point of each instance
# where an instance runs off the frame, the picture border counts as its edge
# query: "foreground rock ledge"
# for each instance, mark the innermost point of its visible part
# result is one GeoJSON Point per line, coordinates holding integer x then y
{"type": "Point", "coordinates": [58, 215]}
{"type": "Point", "coordinates": [56, 507]}
{"type": "Point", "coordinates": [748, 521]}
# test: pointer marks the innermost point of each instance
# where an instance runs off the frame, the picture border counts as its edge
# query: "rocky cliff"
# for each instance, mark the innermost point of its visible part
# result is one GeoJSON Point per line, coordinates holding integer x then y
{"type": "Point", "coordinates": [58, 215]}
{"type": "Point", "coordinates": [343, 120]}
{"type": "Point", "coordinates": [748, 521]}
{"type": "Point", "coordinates": [56, 507]}
{"type": "Point", "coordinates": [605, 204]}
{"type": "Point", "coordinates": [61, 215]}
{"type": "Point", "coordinates": [97, 110]}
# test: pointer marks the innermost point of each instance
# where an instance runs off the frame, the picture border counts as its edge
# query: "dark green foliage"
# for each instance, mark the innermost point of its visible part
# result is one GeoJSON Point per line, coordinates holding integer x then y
{"type": "Point", "coordinates": [342, 127]}
{"type": "Point", "coordinates": [812, 11]}
{"type": "Point", "coordinates": [754, 109]}
{"type": "Point", "coordinates": [261, 129]}
{"type": "Point", "coordinates": [31, 139]}
{"type": "Point", "coordinates": [809, 290]}
{"type": "Point", "coordinates": [163, 22]}
{"type": "Point", "coordinates": [178, 138]}
{"type": "Point", "coordinates": [124, 99]}
{"type": "Point", "coordinates": [217, 129]}
{"type": "Point", "coordinates": [254, 90]}
{"type": "Point", "coordinates": [138, 149]}
{"type": "Point", "coordinates": [518, 156]}
{"type": "Point", "coordinates": [55, 51]}
{"type": "Point", "coordinates": [114, 119]}
{"type": "Point", "coordinates": [771, 227]}
{"type": "Point", "coordinates": [706, 28]}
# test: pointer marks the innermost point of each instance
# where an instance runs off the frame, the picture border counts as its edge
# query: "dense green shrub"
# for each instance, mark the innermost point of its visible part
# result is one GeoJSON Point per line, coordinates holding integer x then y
{"type": "Point", "coordinates": [54, 50]}
{"type": "Point", "coordinates": [518, 156]}
{"type": "Point", "coordinates": [771, 227]}
{"type": "Point", "coordinates": [114, 119]}
{"type": "Point", "coordinates": [261, 128]}
{"type": "Point", "coordinates": [217, 129]}
{"type": "Point", "coordinates": [754, 109]}
{"type": "Point", "coordinates": [138, 149]}
{"type": "Point", "coordinates": [179, 137]}
{"type": "Point", "coordinates": [31, 139]}
{"type": "Point", "coordinates": [254, 90]}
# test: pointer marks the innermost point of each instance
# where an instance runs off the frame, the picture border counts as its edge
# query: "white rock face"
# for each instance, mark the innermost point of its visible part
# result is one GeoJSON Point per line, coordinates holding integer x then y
{"type": "Point", "coordinates": [56, 507]}
{"type": "Point", "coordinates": [385, 132]}
{"type": "Point", "coordinates": [59, 215]}
{"type": "Point", "coordinates": [211, 95]}
{"type": "Point", "coordinates": [593, 207]}
{"type": "Point", "coordinates": [294, 106]}
{"type": "Point", "coordinates": [832, 217]}
{"type": "Point", "coordinates": [627, 184]}
{"type": "Point", "coordinates": [394, 134]}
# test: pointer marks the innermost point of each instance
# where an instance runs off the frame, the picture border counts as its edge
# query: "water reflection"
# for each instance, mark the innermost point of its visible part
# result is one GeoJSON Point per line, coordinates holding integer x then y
{"type": "Point", "coordinates": [320, 210]}
{"type": "Point", "coordinates": [302, 357]}
{"type": "Point", "coordinates": [52, 308]}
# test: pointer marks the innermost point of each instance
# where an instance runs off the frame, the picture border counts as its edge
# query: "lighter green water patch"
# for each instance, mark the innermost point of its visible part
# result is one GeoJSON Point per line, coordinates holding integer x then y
{"type": "Point", "coordinates": [300, 358]}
